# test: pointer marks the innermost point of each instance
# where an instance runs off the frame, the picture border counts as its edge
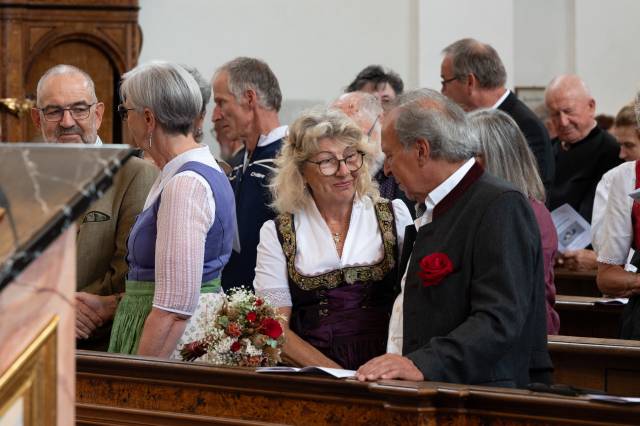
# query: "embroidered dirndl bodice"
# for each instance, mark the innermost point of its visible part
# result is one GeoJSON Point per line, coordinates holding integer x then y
{"type": "Point", "coordinates": [344, 313]}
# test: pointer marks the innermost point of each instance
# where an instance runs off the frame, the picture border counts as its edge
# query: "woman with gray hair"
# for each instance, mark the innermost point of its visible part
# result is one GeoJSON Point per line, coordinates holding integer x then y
{"type": "Point", "coordinates": [205, 92]}
{"type": "Point", "coordinates": [328, 260]}
{"type": "Point", "coordinates": [183, 237]}
{"type": "Point", "coordinates": [504, 153]}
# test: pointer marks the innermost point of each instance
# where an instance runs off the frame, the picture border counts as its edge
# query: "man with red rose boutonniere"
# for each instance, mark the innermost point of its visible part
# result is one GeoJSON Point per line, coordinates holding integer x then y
{"type": "Point", "coordinates": [471, 308]}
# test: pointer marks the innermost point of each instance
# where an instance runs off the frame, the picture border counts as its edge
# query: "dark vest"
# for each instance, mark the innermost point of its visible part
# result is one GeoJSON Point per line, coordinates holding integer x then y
{"type": "Point", "coordinates": [344, 313]}
{"type": "Point", "coordinates": [142, 240]}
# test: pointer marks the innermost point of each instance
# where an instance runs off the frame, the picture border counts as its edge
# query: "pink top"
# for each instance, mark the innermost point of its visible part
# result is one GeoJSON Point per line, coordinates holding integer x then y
{"type": "Point", "coordinates": [549, 248]}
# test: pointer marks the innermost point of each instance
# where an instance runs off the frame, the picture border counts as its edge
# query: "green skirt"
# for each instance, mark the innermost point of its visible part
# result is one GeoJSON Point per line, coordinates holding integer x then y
{"type": "Point", "coordinates": [133, 310]}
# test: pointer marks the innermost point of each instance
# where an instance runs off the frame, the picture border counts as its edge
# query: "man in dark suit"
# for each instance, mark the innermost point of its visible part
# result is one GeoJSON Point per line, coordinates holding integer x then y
{"type": "Point", "coordinates": [474, 77]}
{"type": "Point", "coordinates": [472, 307]}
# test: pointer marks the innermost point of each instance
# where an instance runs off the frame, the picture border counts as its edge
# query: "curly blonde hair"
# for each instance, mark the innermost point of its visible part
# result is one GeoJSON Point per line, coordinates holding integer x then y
{"type": "Point", "coordinates": [288, 186]}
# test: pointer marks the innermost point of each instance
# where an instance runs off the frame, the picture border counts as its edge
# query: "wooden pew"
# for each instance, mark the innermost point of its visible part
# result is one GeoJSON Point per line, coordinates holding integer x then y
{"type": "Point", "coordinates": [119, 390]}
{"type": "Point", "coordinates": [609, 365]}
{"type": "Point", "coordinates": [576, 283]}
{"type": "Point", "coordinates": [584, 316]}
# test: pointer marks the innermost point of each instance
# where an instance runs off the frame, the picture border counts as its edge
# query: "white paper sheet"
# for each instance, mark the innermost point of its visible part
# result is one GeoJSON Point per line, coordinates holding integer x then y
{"type": "Point", "coordinates": [574, 232]}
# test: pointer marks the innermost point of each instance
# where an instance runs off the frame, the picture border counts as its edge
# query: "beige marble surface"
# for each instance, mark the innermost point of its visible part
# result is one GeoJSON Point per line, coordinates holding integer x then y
{"type": "Point", "coordinates": [28, 304]}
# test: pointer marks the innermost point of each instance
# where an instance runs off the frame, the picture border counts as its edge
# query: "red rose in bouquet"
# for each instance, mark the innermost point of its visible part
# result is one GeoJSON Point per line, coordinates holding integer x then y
{"type": "Point", "coordinates": [271, 328]}
{"type": "Point", "coordinates": [246, 332]}
{"type": "Point", "coordinates": [433, 268]}
{"type": "Point", "coordinates": [234, 329]}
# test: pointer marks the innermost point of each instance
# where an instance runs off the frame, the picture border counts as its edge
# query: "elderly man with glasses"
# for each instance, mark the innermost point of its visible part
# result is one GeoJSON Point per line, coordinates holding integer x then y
{"type": "Point", "coordinates": [68, 111]}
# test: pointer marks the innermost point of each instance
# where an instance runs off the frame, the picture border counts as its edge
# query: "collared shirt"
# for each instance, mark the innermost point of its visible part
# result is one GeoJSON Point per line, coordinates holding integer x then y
{"type": "Point", "coordinates": [501, 100]}
{"type": "Point", "coordinates": [441, 191]}
{"type": "Point", "coordinates": [612, 234]}
{"type": "Point", "coordinates": [394, 343]}
{"type": "Point", "coordinates": [264, 140]}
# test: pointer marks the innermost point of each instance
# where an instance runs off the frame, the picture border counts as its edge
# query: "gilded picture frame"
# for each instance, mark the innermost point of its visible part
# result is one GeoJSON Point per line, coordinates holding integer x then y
{"type": "Point", "coordinates": [28, 389]}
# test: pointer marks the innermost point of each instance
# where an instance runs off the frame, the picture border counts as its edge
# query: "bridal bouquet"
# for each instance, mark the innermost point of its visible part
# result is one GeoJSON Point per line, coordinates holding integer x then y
{"type": "Point", "coordinates": [246, 332]}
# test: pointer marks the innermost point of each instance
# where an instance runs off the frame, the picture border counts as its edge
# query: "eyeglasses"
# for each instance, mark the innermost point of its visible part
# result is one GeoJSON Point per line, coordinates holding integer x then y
{"type": "Point", "coordinates": [330, 166]}
{"type": "Point", "coordinates": [372, 127]}
{"type": "Point", "coordinates": [448, 80]}
{"type": "Point", "coordinates": [56, 113]}
{"type": "Point", "coordinates": [124, 112]}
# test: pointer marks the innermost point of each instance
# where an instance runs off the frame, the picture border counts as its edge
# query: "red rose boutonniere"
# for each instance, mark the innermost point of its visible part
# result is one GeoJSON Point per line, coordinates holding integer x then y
{"type": "Point", "coordinates": [433, 268]}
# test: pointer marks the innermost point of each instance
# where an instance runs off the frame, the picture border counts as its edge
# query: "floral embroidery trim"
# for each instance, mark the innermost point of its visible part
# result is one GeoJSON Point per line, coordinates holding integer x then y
{"type": "Point", "coordinates": [348, 275]}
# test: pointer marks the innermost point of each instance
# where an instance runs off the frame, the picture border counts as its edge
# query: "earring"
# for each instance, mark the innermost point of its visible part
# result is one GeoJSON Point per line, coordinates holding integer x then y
{"type": "Point", "coordinates": [150, 136]}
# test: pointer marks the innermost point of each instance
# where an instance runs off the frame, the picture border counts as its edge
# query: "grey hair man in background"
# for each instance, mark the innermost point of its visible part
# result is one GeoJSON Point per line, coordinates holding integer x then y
{"type": "Point", "coordinates": [247, 101]}
{"type": "Point", "coordinates": [68, 111]}
{"type": "Point", "coordinates": [474, 76]}
{"type": "Point", "coordinates": [366, 111]}
{"type": "Point", "coordinates": [472, 304]}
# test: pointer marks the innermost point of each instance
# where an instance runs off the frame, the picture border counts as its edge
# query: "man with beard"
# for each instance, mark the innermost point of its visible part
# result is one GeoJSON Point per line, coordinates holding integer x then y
{"type": "Point", "coordinates": [68, 111]}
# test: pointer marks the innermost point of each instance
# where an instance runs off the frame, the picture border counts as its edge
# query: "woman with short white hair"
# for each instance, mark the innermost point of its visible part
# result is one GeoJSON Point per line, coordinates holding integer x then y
{"type": "Point", "coordinates": [183, 237]}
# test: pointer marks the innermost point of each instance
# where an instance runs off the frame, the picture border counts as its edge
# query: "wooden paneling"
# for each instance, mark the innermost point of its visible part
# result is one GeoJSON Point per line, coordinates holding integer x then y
{"type": "Point", "coordinates": [100, 36]}
{"type": "Point", "coordinates": [585, 316]}
{"type": "Point", "coordinates": [608, 365]}
{"type": "Point", "coordinates": [576, 283]}
{"type": "Point", "coordinates": [146, 387]}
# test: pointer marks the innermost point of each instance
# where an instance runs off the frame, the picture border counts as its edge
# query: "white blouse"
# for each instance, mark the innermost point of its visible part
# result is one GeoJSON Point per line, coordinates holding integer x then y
{"type": "Point", "coordinates": [185, 215]}
{"type": "Point", "coordinates": [316, 251]}
{"type": "Point", "coordinates": [614, 236]}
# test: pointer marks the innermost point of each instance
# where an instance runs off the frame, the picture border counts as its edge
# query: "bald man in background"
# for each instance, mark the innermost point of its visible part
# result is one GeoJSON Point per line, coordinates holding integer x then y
{"type": "Point", "coordinates": [366, 110]}
{"type": "Point", "coordinates": [583, 153]}
{"type": "Point", "coordinates": [582, 150]}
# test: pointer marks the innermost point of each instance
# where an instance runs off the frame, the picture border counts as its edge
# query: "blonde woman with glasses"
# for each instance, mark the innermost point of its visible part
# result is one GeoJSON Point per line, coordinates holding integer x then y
{"type": "Point", "coordinates": [328, 261]}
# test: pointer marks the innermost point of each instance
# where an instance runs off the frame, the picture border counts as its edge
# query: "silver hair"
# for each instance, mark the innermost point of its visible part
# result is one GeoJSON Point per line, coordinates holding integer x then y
{"type": "Point", "coordinates": [205, 91]}
{"type": "Point", "coordinates": [253, 74]}
{"type": "Point", "coordinates": [506, 152]}
{"type": "Point", "coordinates": [63, 69]}
{"type": "Point", "coordinates": [470, 56]}
{"type": "Point", "coordinates": [427, 114]}
{"type": "Point", "coordinates": [168, 90]}
{"type": "Point", "coordinates": [204, 85]}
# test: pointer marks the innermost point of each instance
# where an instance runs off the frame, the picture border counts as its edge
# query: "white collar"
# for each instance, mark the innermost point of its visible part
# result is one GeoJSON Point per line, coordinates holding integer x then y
{"type": "Point", "coordinates": [441, 191]}
{"type": "Point", "coordinates": [274, 135]}
{"type": "Point", "coordinates": [201, 154]}
{"type": "Point", "coordinates": [501, 100]}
